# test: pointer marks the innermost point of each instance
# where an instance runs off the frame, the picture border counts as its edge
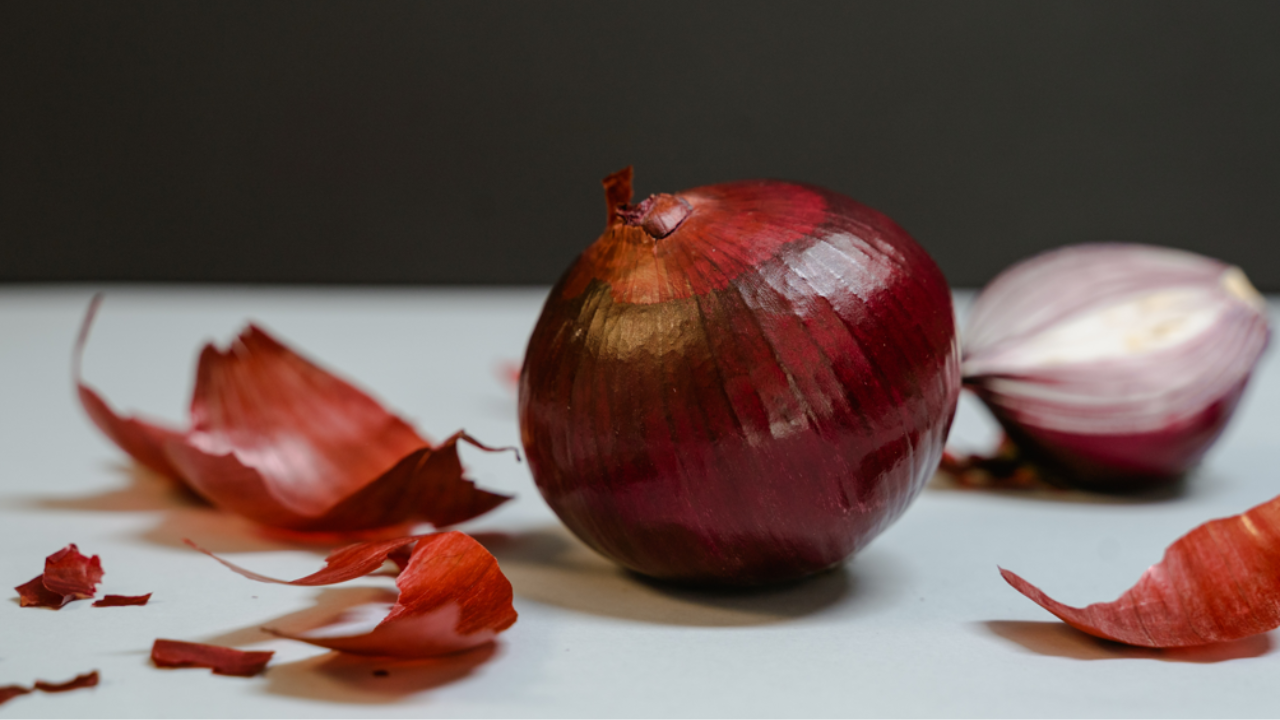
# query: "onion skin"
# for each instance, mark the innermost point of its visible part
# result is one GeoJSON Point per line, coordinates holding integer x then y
{"type": "Point", "coordinates": [1116, 422]}
{"type": "Point", "coordinates": [739, 384]}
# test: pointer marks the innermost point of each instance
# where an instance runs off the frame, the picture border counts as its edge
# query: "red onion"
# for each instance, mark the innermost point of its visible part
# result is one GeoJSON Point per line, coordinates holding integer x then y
{"type": "Point", "coordinates": [1115, 365]}
{"type": "Point", "coordinates": [740, 383]}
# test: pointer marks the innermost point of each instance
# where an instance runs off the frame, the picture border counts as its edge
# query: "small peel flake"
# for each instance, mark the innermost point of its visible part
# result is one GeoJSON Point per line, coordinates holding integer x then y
{"type": "Point", "coordinates": [221, 660]}
{"type": "Point", "coordinates": [280, 441]}
{"type": "Point", "coordinates": [89, 679]}
{"type": "Point", "coordinates": [1219, 582]}
{"type": "Point", "coordinates": [68, 575]}
{"type": "Point", "coordinates": [452, 596]}
{"type": "Point", "coordinates": [122, 600]}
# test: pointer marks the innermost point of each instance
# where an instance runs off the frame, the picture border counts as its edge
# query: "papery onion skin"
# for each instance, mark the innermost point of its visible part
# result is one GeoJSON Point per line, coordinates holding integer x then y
{"type": "Point", "coordinates": [1115, 423]}
{"type": "Point", "coordinates": [739, 384]}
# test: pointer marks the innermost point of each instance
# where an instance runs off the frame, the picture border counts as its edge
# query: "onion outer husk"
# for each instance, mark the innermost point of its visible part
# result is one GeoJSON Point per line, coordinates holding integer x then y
{"type": "Point", "coordinates": [739, 384]}
{"type": "Point", "coordinates": [1115, 365]}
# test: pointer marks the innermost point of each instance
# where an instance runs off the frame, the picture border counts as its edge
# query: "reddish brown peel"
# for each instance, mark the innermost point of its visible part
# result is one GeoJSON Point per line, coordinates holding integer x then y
{"type": "Point", "coordinates": [221, 660]}
{"type": "Point", "coordinates": [452, 597]}
{"type": "Point", "coordinates": [89, 679]}
{"type": "Point", "coordinates": [279, 440]}
{"type": "Point", "coordinates": [9, 692]}
{"type": "Point", "coordinates": [122, 600]}
{"type": "Point", "coordinates": [1217, 583]}
{"type": "Point", "coordinates": [68, 575]}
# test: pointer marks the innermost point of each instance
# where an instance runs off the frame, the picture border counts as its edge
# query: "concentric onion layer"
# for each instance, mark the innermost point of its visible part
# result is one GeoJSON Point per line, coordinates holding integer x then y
{"type": "Point", "coordinates": [1121, 363]}
{"type": "Point", "coordinates": [750, 398]}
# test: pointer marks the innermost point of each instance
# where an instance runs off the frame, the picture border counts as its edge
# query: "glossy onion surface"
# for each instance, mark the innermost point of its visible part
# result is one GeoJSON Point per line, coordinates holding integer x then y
{"type": "Point", "coordinates": [741, 383]}
{"type": "Point", "coordinates": [1117, 364]}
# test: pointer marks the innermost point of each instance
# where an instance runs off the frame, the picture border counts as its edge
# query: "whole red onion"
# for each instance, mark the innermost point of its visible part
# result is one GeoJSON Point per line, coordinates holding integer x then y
{"type": "Point", "coordinates": [740, 383]}
{"type": "Point", "coordinates": [1115, 365]}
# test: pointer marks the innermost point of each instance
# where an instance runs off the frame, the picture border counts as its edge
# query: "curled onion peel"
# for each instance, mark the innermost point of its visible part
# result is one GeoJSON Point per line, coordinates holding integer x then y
{"type": "Point", "coordinates": [1116, 365]}
{"type": "Point", "coordinates": [280, 441]}
{"type": "Point", "coordinates": [740, 383]}
{"type": "Point", "coordinates": [68, 575]}
{"type": "Point", "coordinates": [452, 597]}
{"type": "Point", "coordinates": [1219, 582]}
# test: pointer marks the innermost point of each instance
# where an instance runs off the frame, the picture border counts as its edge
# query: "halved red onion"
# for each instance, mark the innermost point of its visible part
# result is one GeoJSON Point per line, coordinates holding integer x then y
{"type": "Point", "coordinates": [1118, 365]}
{"type": "Point", "coordinates": [279, 440]}
{"type": "Point", "coordinates": [740, 383]}
{"type": "Point", "coordinates": [452, 597]}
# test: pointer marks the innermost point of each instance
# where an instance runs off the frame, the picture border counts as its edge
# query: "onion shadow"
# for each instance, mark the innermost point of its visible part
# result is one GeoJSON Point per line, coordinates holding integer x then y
{"type": "Point", "coordinates": [356, 679]}
{"type": "Point", "coordinates": [182, 514]}
{"type": "Point", "coordinates": [347, 678]}
{"type": "Point", "coordinates": [552, 567]}
{"type": "Point", "coordinates": [1057, 639]}
{"type": "Point", "coordinates": [1176, 489]}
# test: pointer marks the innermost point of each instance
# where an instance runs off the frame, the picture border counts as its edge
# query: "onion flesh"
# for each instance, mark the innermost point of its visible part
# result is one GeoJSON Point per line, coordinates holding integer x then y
{"type": "Point", "coordinates": [1115, 365]}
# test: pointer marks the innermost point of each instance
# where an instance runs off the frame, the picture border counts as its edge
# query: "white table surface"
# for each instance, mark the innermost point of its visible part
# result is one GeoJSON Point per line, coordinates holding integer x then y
{"type": "Point", "coordinates": [920, 623]}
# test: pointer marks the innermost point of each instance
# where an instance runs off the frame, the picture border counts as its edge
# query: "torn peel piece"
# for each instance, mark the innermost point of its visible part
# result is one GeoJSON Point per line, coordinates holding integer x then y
{"type": "Point", "coordinates": [1219, 582]}
{"type": "Point", "coordinates": [452, 596]}
{"type": "Point", "coordinates": [280, 441]}
{"type": "Point", "coordinates": [221, 660]}
{"type": "Point", "coordinates": [68, 575]}
{"type": "Point", "coordinates": [9, 692]}
{"type": "Point", "coordinates": [122, 600]}
{"type": "Point", "coordinates": [89, 679]}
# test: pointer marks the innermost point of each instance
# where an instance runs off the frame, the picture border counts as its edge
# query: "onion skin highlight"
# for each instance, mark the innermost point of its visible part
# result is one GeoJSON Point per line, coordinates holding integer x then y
{"type": "Point", "coordinates": [739, 384]}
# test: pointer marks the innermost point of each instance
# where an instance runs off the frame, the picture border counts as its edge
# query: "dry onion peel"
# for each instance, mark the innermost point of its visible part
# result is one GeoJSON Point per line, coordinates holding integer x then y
{"type": "Point", "coordinates": [89, 679]}
{"type": "Point", "coordinates": [221, 660]}
{"type": "Point", "coordinates": [1115, 365]}
{"type": "Point", "coordinates": [279, 440]}
{"type": "Point", "coordinates": [122, 600]}
{"type": "Point", "coordinates": [452, 596]}
{"type": "Point", "coordinates": [68, 575]}
{"type": "Point", "coordinates": [1219, 582]}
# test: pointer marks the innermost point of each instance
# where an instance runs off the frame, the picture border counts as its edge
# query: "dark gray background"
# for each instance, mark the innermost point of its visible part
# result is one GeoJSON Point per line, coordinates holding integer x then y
{"type": "Point", "coordinates": [463, 142]}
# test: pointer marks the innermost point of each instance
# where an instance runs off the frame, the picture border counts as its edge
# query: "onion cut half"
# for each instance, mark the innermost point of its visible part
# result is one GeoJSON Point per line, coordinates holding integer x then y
{"type": "Point", "coordinates": [453, 596]}
{"type": "Point", "coordinates": [280, 441]}
{"type": "Point", "coordinates": [1116, 365]}
{"type": "Point", "coordinates": [1217, 583]}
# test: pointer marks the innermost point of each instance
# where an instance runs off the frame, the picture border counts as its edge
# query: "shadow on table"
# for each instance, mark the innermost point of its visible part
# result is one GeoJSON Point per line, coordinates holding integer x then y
{"type": "Point", "coordinates": [341, 677]}
{"type": "Point", "coordinates": [1061, 640]}
{"type": "Point", "coordinates": [1174, 490]}
{"type": "Point", "coordinates": [551, 566]}
{"type": "Point", "coordinates": [183, 514]}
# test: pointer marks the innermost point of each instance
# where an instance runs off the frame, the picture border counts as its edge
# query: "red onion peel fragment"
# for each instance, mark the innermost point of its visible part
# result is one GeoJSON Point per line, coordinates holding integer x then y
{"type": "Point", "coordinates": [122, 600]}
{"type": "Point", "coordinates": [1219, 582]}
{"type": "Point", "coordinates": [452, 596]}
{"type": "Point", "coordinates": [68, 575]}
{"type": "Point", "coordinates": [1115, 365]}
{"type": "Point", "coordinates": [276, 439]}
{"type": "Point", "coordinates": [221, 660]}
{"type": "Point", "coordinates": [740, 383]}
{"type": "Point", "coordinates": [89, 679]}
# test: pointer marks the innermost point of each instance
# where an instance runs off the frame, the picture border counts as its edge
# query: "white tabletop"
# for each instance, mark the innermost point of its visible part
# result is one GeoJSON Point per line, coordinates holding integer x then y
{"type": "Point", "coordinates": [920, 623]}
